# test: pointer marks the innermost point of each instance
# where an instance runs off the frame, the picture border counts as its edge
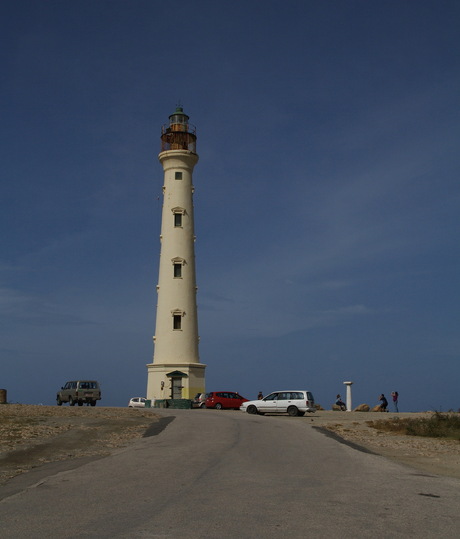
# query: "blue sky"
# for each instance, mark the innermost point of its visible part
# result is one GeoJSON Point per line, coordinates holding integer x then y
{"type": "Point", "coordinates": [327, 196]}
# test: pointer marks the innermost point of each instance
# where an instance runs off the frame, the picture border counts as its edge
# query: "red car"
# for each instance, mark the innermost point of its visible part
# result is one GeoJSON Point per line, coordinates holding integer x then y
{"type": "Point", "coordinates": [224, 399]}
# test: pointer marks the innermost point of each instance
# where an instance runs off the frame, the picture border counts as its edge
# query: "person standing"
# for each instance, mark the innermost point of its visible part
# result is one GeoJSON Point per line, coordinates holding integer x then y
{"type": "Point", "coordinates": [394, 396]}
{"type": "Point", "coordinates": [384, 405]}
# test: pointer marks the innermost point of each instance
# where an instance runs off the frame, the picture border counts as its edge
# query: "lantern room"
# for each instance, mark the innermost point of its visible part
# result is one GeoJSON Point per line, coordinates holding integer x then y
{"type": "Point", "coordinates": [178, 134]}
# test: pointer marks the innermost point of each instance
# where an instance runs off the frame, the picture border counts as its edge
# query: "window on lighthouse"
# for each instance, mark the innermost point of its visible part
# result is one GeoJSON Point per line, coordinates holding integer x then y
{"type": "Point", "coordinates": [177, 219]}
{"type": "Point", "coordinates": [177, 321]}
{"type": "Point", "coordinates": [177, 271]}
{"type": "Point", "coordinates": [178, 175]}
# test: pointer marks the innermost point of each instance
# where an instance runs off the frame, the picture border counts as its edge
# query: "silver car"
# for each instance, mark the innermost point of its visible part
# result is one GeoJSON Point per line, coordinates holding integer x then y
{"type": "Point", "coordinates": [293, 402]}
{"type": "Point", "coordinates": [199, 400]}
{"type": "Point", "coordinates": [136, 402]}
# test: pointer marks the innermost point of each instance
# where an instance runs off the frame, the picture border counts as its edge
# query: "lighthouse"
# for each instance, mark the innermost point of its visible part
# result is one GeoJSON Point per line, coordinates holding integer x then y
{"type": "Point", "coordinates": [176, 371]}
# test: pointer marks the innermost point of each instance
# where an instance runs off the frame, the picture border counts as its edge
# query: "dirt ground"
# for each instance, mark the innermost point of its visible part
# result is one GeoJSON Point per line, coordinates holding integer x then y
{"type": "Point", "coordinates": [429, 455]}
{"type": "Point", "coordinates": [34, 435]}
{"type": "Point", "coordinates": [31, 436]}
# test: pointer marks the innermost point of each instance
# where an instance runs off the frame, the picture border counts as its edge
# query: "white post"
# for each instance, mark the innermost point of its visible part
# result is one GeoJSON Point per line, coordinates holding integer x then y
{"type": "Point", "coordinates": [349, 406]}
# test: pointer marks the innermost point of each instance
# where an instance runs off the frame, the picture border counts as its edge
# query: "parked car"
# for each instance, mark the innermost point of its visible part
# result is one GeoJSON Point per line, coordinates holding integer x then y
{"type": "Point", "coordinates": [79, 392]}
{"type": "Point", "coordinates": [136, 402]}
{"type": "Point", "coordinates": [224, 399]}
{"type": "Point", "coordinates": [199, 401]}
{"type": "Point", "coordinates": [292, 402]}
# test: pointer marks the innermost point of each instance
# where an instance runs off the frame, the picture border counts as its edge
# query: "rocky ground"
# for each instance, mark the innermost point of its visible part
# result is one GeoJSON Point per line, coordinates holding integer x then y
{"type": "Point", "coordinates": [31, 436]}
{"type": "Point", "coordinates": [34, 435]}
{"type": "Point", "coordinates": [430, 455]}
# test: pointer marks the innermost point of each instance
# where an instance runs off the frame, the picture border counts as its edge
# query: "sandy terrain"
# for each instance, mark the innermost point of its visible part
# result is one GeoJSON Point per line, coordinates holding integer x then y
{"type": "Point", "coordinates": [34, 435]}
{"type": "Point", "coordinates": [429, 455]}
{"type": "Point", "coordinates": [31, 436]}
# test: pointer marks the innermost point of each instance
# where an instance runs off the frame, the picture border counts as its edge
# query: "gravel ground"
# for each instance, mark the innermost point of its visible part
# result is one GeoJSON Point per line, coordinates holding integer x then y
{"type": "Point", "coordinates": [430, 455]}
{"type": "Point", "coordinates": [34, 435]}
{"type": "Point", "coordinates": [31, 436]}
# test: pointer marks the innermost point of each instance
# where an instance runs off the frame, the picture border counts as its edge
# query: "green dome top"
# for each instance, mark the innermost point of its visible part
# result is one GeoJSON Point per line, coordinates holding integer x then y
{"type": "Point", "coordinates": [179, 112]}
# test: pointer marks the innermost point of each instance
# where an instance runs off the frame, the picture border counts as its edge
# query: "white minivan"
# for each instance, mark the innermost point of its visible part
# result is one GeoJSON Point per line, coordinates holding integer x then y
{"type": "Point", "coordinates": [293, 402]}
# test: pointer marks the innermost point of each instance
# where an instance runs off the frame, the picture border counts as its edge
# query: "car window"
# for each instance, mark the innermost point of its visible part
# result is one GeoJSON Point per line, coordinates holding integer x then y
{"type": "Point", "coordinates": [271, 397]}
{"type": "Point", "coordinates": [283, 396]}
{"type": "Point", "coordinates": [296, 395]}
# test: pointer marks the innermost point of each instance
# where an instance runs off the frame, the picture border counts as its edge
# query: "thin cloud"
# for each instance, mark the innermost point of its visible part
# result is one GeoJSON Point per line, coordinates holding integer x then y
{"type": "Point", "coordinates": [25, 309]}
{"type": "Point", "coordinates": [349, 310]}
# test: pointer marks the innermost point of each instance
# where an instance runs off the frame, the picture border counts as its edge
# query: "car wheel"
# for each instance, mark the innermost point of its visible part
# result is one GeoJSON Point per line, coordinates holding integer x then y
{"type": "Point", "coordinates": [252, 409]}
{"type": "Point", "coordinates": [202, 405]}
{"type": "Point", "coordinates": [80, 403]}
{"type": "Point", "coordinates": [218, 406]}
{"type": "Point", "coordinates": [93, 403]}
{"type": "Point", "coordinates": [71, 402]}
{"type": "Point", "coordinates": [292, 411]}
{"type": "Point", "coordinates": [59, 402]}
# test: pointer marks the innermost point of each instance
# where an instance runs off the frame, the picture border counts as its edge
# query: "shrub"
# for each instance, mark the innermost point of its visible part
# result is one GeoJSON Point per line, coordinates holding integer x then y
{"type": "Point", "coordinates": [437, 426]}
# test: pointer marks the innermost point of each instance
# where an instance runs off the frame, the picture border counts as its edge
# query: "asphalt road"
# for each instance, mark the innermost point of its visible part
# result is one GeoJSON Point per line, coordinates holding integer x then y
{"type": "Point", "coordinates": [225, 474]}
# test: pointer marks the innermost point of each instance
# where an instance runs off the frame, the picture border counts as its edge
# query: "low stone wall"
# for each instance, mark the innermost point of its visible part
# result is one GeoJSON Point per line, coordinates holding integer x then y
{"type": "Point", "coordinates": [173, 403]}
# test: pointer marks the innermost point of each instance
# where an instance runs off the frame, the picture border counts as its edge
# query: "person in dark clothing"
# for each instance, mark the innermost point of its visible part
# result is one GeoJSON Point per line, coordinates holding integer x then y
{"type": "Point", "coordinates": [340, 403]}
{"type": "Point", "coordinates": [384, 403]}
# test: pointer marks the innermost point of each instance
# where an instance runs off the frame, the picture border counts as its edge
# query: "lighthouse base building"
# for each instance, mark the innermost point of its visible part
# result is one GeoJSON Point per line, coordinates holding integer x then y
{"type": "Point", "coordinates": [184, 382]}
{"type": "Point", "coordinates": [176, 371]}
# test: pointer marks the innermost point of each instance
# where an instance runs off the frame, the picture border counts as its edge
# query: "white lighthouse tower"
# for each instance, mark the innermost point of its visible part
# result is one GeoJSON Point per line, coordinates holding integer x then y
{"type": "Point", "coordinates": [176, 371]}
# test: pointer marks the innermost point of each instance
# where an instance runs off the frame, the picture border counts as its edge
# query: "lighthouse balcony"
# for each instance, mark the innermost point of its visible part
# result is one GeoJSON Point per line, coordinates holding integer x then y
{"type": "Point", "coordinates": [178, 137]}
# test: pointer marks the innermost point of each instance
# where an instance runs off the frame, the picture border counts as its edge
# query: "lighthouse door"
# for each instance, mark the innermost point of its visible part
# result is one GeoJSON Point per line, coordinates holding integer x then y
{"type": "Point", "coordinates": [177, 388]}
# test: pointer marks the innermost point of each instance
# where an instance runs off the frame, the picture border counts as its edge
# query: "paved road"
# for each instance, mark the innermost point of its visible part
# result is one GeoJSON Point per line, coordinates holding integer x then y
{"type": "Point", "coordinates": [225, 474]}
